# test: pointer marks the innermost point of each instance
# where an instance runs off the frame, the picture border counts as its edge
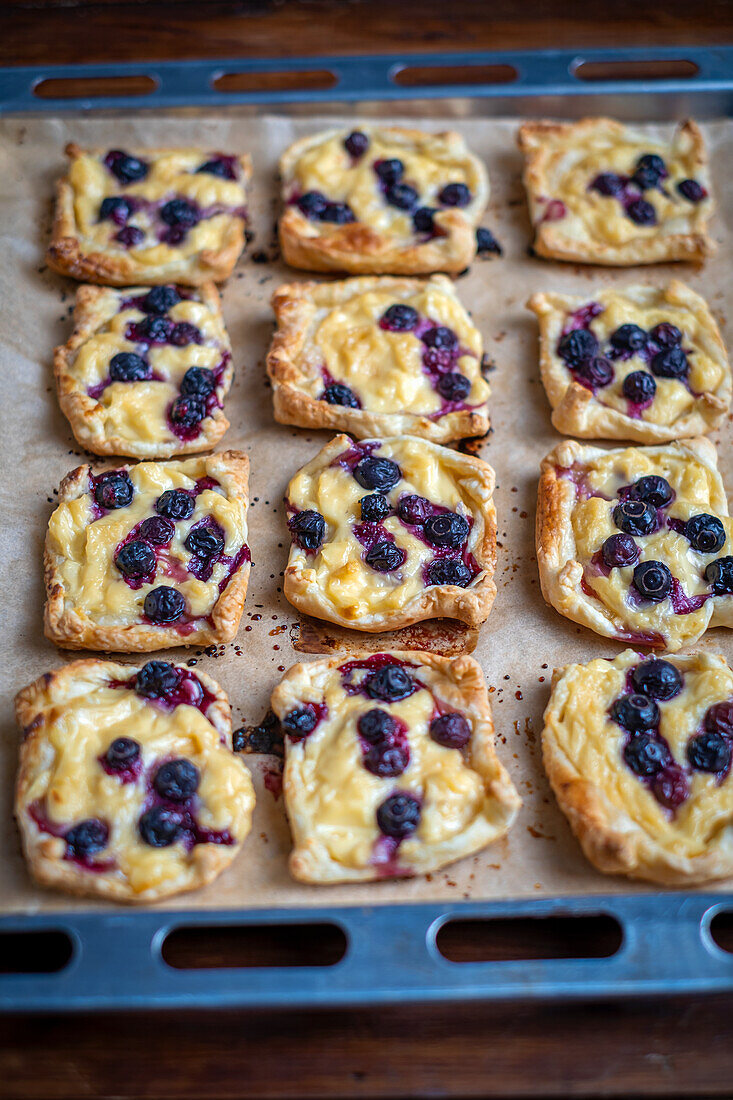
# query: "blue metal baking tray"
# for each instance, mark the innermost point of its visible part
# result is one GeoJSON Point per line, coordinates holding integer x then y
{"type": "Point", "coordinates": [115, 958]}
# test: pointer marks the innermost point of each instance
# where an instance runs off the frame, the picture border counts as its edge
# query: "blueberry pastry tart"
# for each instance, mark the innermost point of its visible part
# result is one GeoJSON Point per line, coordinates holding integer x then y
{"type": "Point", "coordinates": [146, 370]}
{"type": "Point", "coordinates": [149, 216]}
{"type": "Point", "coordinates": [378, 356]}
{"type": "Point", "coordinates": [636, 543]}
{"type": "Point", "coordinates": [381, 201]}
{"type": "Point", "coordinates": [638, 751]}
{"type": "Point", "coordinates": [128, 789]}
{"type": "Point", "coordinates": [390, 767]}
{"type": "Point", "coordinates": [149, 556]}
{"type": "Point", "coordinates": [390, 532]}
{"type": "Point", "coordinates": [602, 192]}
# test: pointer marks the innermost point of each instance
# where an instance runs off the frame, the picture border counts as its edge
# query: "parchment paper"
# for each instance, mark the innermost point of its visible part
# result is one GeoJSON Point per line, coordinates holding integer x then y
{"type": "Point", "coordinates": [522, 640]}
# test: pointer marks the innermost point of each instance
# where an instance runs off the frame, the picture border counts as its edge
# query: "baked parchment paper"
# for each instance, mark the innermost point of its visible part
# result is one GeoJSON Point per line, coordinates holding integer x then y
{"type": "Point", "coordinates": [523, 639]}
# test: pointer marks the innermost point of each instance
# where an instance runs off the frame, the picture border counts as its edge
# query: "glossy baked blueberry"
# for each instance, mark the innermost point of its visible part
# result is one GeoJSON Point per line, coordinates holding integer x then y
{"type": "Point", "coordinates": [386, 761]}
{"type": "Point", "coordinates": [153, 328]}
{"type": "Point", "coordinates": [156, 679]}
{"type": "Point", "coordinates": [719, 575]}
{"type": "Point", "coordinates": [646, 755]}
{"type": "Point", "coordinates": [184, 333]}
{"type": "Point", "coordinates": [312, 204]}
{"type": "Point", "coordinates": [666, 335]}
{"type": "Point", "coordinates": [628, 338]}
{"type": "Point", "coordinates": [188, 410]}
{"type": "Point", "coordinates": [374, 508]}
{"type": "Point", "coordinates": [180, 212]}
{"type": "Point", "coordinates": [441, 338]}
{"type": "Point", "coordinates": [135, 559]}
{"type": "Point", "coordinates": [719, 719]}
{"type": "Point", "coordinates": [450, 730]}
{"type": "Point", "coordinates": [446, 529]}
{"type": "Point", "coordinates": [130, 236]}
{"type": "Point", "coordinates": [338, 394]}
{"type": "Point", "coordinates": [389, 683]}
{"type": "Point", "coordinates": [402, 196]}
{"type": "Point", "coordinates": [122, 754]}
{"type": "Point", "coordinates": [164, 604]}
{"type": "Point", "coordinates": [453, 386]}
{"type": "Point", "coordinates": [372, 472]}
{"type": "Point", "coordinates": [635, 712]}
{"type": "Point", "coordinates": [398, 816]}
{"type": "Point", "coordinates": [619, 550]}
{"type": "Point", "coordinates": [389, 171]}
{"type": "Point", "coordinates": [399, 318]}
{"type": "Point", "coordinates": [692, 190]}
{"type": "Point", "coordinates": [199, 381]}
{"type": "Point", "coordinates": [448, 571]}
{"type": "Point", "coordinates": [160, 826]}
{"type": "Point", "coordinates": [487, 243]}
{"type": "Point", "coordinates": [657, 679]}
{"type": "Point", "coordinates": [641, 212]}
{"type": "Point", "coordinates": [671, 787]}
{"type": "Point", "coordinates": [652, 580]}
{"type": "Point", "coordinates": [299, 722]}
{"type": "Point", "coordinates": [307, 528]}
{"type": "Point", "coordinates": [709, 752]}
{"type": "Point", "coordinates": [384, 557]}
{"type": "Point", "coordinates": [577, 346]}
{"type": "Point", "coordinates": [114, 490]}
{"type": "Point", "coordinates": [175, 504]}
{"type": "Point", "coordinates": [639, 387]}
{"type": "Point", "coordinates": [87, 837]}
{"type": "Point", "coordinates": [340, 213]}
{"type": "Point", "coordinates": [125, 168]}
{"type": "Point", "coordinates": [705, 533]}
{"type": "Point", "coordinates": [160, 299]}
{"type": "Point", "coordinates": [128, 367]}
{"type": "Point", "coordinates": [650, 170]}
{"type": "Point", "coordinates": [115, 209]}
{"type": "Point", "coordinates": [609, 184]}
{"type": "Point", "coordinates": [223, 167]}
{"type": "Point", "coordinates": [356, 144]}
{"type": "Point", "coordinates": [204, 542]}
{"type": "Point", "coordinates": [595, 373]}
{"type": "Point", "coordinates": [454, 194]}
{"type": "Point", "coordinates": [413, 509]}
{"type": "Point", "coordinates": [376, 726]}
{"type": "Point", "coordinates": [177, 780]}
{"type": "Point", "coordinates": [654, 490]}
{"type": "Point", "coordinates": [670, 363]}
{"type": "Point", "coordinates": [634, 517]}
{"type": "Point", "coordinates": [423, 219]}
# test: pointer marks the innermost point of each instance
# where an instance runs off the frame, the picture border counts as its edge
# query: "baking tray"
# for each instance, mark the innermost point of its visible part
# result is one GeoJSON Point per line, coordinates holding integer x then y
{"type": "Point", "coordinates": [115, 958]}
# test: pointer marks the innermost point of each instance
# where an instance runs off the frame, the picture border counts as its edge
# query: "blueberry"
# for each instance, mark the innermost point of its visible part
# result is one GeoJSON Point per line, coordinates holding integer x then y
{"type": "Point", "coordinates": [130, 236]}
{"type": "Point", "coordinates": [113, 490]}
{"type": "Point", "coordinates": [670, 363]}
{"type": "Point", "coordinates": [188, 410]}
{"type": "Point", "coordinates": [413, 509]}
{"type": "Point", "coordinates": [156, 679]}
{"type": "Point", "coordinates": [652, 580]}
{"type": "Point", "coordinates": [423, 219]}
{"type": "Point", "coordinates": [671, 787]}
{"type": "Point", "coordinates": [453, 386]}
{"type": "Point", "coordinates": [121, 754]}
{"type": "Point", "coordinates": [692, 190]}
{"type": "Point", "coordinates": [154, 328]}
{"type": "Point", "coordinates": [128, 367]}
{"type": "Point", "coordinates": [338, 394]}
{"type": "Point", "coordinates": [180, 212]}
{"type": "Point", "coordinates": [387, 761]}
{"type": "Point", "coordinates": [87, 837]}
{"type": "Point", "coordinates": [340, 213]}
{"type": "Point", "coordinates": [184, 333]}
{"type": "Point", "coordinates": [160, 299]}
{"type": "Point", "coordinates": [177, 780]}
{"type": "Point", "coordinates": [125, 168]}
{"type": "Point", "coordinates": [390, 683]}
{"type": "Point", "coordinates": [454, 194]}
{"type": "Point", "coordinates": [609, 184]}
{"type": "Point", "coordinates": [634, 517]}
{"type": "Point", "coordinates": [486, 242]}
{"type": "Point", "coordinates": [709, 752]}
{"type": "Point", "coordinates": [595, 373]}
{"type": "Point", "coordinates": [442, 338]}
{"type": "Point", "coordinates": [646, 755]}
{"type": "Point", "coordinates": [399, 318]}
{"type": "Point", "coordinates": [635, 713]}
{"type": "Point", "coordinates": [654, 490]}
{"type": "Point", "coordinates": [577, 346]}
{"type": "Point", "coordinates": [398, 816]}
{"type": "Point", "coordinates": [447, 571]}
{"type": "Point", "coordinates": [446, 529]}
{"type": "Point", "coordinates": [204, 542]}
{"type": "Point", "coordinates": [356, 144]}
{"type": "Point", "coordinates": [374, 508]}
{"type": "Point", "coordinates": [641, 212]}
{"type": "Point", "coordinates": [312, 204]}
{"type": "Point", "coordinates": [657, 679]}
{"type": "Point", "coordinates": [450, 730]}
{"type": "Point", "coordinates": [389, 171]}
{"type": "Point", "coordinates": [135, 559]}
{"type": "Point", "coordinates": [307, 528]}
{"type": "Point", "coordinates": [639, 387]}
{"type": "Point", "coordinates": [666, 335]}
{"type": "Point", "coordinates": [650, 169]}
{"type": "Point", "coordinates": [377, 473]}
{"type": "Point", "coordinates": [402, 196]}
{"type": "Point", "coordinates": [223, 167]}
{"type": "Point", "coordinates": [376, 726]}
{"type": "Point", "coordinates": [384, 557]}
{"type": "Point", "coordinates": [160, 827]}
{"type": "Point", "coordinates": [619, 551]}
{"type": "Point", "coordinates": [115, 209]}
{"type": "Point", "coordinates": [175, 504]}
{"type": "Point", "coordinates": [199, 381]}
{"type": "Point", "coordinates": [299, 722]}
{"type": "Point", "coordinates": [628, 338]}
{"type": "Point", "coordinates": [719, 719]}
{"type": "Point", "coordinates": [719, 574]}
{"type": "Point", "coordinates": [164, 604]}
{"type": "Point", "coordinates": [705, 533]}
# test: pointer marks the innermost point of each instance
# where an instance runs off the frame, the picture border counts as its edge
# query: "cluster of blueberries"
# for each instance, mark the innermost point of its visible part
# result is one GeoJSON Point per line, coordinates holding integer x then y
{"type": "Point", "coordinates": [648, 175]}
{"type": "Point", "coordinates": [661, 348]}
{"type": "Point", "coordinates": [647, 753]}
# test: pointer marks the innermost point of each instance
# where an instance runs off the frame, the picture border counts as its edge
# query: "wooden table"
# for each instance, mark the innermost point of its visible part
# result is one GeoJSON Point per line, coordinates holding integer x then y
{"type": "Point", "coordinates": [664, 1048]}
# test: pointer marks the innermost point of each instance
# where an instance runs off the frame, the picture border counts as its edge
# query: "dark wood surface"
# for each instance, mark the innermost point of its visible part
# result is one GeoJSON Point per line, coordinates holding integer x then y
{"type": "Point", "coordinates": [662, 1048]}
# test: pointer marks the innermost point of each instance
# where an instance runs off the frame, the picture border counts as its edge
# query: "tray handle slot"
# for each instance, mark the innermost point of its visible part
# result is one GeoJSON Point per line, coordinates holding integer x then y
{"type": "Point", "coordinates": [43, 952]}
{"type": "Point", "coordinates": [95, 87]}
{"type": "Point", "coordinates": [596, 936]}
{"type": "Point", "coordinates": [300, 80]}
{"type": "Point", "coordinates": [438, 76]}
{"type": "Point", "coordinates": [225, 946]}
{"type": "Point", "coordinates": [721, 930]}
{"type": "Point", "coordinates": [599, 70]}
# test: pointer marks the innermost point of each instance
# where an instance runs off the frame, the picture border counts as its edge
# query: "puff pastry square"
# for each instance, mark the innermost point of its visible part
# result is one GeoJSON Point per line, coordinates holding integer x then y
{"type": "Point", "coordinates": [602, 192]}
{"type": "Point", "coordinates": [144, 557]}
{"type": "Point", "coordinates": [128, 788]}
{"type": "Point", "coordinates": [390, 532]}
{"type": "Point", "coordinates": [149, 216]}
{"type": "Point", "coordinates": [381, 201]}
{"type": "Point", "coordinates": [636, 543]}
{"type": "Point", "coordinates": [146, 370]}
{"type": "Point", "coordinates": [638, 752]}
{"type": "Point", "coordinates": [378, 356]}
{"type": "Point", "coordinates": [640, 362]}
{"type": "Point", "coordinates": [390, 767]}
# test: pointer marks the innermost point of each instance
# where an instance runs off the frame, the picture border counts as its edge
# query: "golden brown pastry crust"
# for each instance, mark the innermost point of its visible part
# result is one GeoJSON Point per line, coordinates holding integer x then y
{"type": "Point", "coordinates": [85, 413]}
{"type": "Point", "coordinates": [118, 268]}
{"type": "Point", "coordinates": [537, 140]}
{"type": "Point", "coordinates": [292, 405]}
{"type": "Point", "coordinates": [65, 627]}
